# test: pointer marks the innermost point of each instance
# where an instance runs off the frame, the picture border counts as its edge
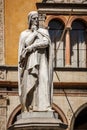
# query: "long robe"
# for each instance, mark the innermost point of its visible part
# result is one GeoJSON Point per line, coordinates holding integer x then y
{"type": "Point", "coordinates": [35, 71]}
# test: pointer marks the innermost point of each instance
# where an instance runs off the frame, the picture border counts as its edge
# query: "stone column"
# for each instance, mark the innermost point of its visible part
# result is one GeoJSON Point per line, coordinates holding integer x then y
{"type": "Point", "coordinates": [67, 47]}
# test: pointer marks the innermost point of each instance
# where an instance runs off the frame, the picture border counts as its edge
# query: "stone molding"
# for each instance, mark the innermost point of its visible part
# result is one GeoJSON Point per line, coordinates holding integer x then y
{"type": "Point", "coordinates": [64, 1]}
{"type": "Point", "coordinates": [62, 8]}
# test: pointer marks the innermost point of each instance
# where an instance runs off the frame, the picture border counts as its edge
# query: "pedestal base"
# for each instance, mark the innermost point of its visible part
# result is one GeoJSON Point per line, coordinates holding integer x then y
{"type": "Point", "coordinates": [38, 121]}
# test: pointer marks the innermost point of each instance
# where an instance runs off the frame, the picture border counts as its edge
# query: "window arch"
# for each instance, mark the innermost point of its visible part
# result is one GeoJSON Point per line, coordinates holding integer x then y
{"type": "Point", "coordinates": [78, 42]}
{"type": "Point", "coordinates": [55, 30]}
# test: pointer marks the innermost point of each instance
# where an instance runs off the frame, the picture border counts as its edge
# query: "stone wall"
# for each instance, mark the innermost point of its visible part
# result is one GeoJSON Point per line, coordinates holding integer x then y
{"type": "Point", "coordinates": [16, 12]}
{"type": "Point", "coordinates": [1, 32]}
{"type": "Point", "coordinates": [3, 114]}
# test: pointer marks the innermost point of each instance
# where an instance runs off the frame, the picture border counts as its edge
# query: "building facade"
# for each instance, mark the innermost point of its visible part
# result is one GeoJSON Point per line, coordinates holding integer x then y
{"type": "Point", "coordinates": [66, 21]}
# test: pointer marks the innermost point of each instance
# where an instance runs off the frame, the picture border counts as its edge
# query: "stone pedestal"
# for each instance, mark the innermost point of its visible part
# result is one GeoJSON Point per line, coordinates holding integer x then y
{"type": "Point", "coordinates": [38, 121]}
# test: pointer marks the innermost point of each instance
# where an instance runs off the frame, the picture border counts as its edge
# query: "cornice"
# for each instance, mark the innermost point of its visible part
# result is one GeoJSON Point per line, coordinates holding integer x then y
{"type": "Point", "coordinates": [62, 8]}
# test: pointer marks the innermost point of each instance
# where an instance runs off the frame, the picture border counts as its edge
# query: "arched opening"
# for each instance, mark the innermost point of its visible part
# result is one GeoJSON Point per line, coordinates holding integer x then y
{"type": "Point", "coordinates": [13, 116]}
{"type": "Point", "coordinates": [78, 44]}
{"type": "Point", "coordinates": [81, 120]}
{"type": "Point", "coordinates": [56, 27]}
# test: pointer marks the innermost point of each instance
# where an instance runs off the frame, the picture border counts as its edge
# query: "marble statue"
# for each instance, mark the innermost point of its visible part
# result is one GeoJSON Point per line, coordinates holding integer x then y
{"type": "Point", "coordinates": [35, 67]}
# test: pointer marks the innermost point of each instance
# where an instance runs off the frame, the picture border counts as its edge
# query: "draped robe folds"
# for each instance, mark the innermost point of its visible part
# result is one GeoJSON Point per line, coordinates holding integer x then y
{"type": "Point", "coordinates": [36, 71]}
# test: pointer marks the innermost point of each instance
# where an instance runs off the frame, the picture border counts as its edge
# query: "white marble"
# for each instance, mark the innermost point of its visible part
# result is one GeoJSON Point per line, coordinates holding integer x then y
{"type": "Point", "coordinates": [35, 67]}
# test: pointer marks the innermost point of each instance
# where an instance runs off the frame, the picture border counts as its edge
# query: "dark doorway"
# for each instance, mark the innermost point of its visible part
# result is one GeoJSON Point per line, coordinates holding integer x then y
{"type": "Point", "coordinates": [81, 120]}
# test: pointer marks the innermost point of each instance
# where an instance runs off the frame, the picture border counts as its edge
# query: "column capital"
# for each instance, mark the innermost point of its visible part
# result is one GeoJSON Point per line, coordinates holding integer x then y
{"type": "Point", "coordinates": [68, 28]}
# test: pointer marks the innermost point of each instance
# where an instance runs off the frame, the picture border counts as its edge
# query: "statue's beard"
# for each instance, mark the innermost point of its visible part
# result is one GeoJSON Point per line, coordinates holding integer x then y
{"type": "Point", "coordinates": [34, 27]}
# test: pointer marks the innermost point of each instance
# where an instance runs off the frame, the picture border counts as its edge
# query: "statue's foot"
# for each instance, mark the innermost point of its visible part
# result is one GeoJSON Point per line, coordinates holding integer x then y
{"type": "Point", "coordinates": [49, 109]}
{"type": "Point", "coordinates": [44, 109]}
{"type": "Point", "coordinates": [25, 110]}
{"type": "Point", "coordinates": [30, 109]}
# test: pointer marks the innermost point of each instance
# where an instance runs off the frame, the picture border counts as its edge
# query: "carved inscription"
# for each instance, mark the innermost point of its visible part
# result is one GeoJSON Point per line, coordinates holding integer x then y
{"type": "Point", "coordinates": [2, 75]}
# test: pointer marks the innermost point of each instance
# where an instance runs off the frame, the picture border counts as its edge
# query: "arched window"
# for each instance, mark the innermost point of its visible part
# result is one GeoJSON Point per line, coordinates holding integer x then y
{"type": "Point", "coordinates": [78, 44]}
{"type": "Point", "coordinates": [55, 30]}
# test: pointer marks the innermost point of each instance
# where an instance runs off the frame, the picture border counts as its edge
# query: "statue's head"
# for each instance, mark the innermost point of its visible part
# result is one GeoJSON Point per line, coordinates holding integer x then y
{"type": "Point", "coordinates": [33, 19]}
